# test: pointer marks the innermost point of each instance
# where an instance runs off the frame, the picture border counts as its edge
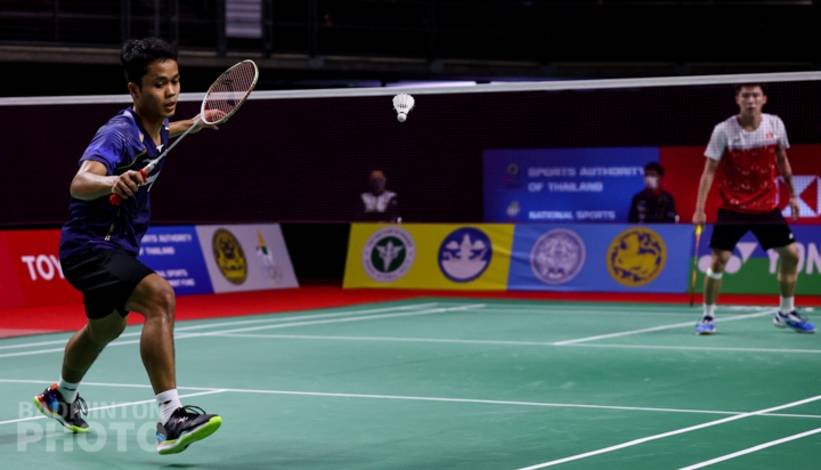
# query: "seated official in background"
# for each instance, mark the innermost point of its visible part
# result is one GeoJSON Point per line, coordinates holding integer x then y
{"type": "Point", "coordinates": [378, 204]}
{"type": "Point", "coordinates": [653, 205]}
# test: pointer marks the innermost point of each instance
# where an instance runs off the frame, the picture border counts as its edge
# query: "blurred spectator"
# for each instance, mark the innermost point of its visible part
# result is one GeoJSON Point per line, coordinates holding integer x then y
{"type": "Point", "coordinates": [653, 205]}
{"type": "Point", "coordinates": [378, 204]}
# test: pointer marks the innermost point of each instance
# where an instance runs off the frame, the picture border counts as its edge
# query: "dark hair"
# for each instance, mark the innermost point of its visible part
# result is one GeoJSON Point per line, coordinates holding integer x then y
{"type": "Point", "coordinates": [138, 53]}
{"type": "Point", "coordinates": [653, 166]}
{"type": "Point", "coordinates": [739, 86]}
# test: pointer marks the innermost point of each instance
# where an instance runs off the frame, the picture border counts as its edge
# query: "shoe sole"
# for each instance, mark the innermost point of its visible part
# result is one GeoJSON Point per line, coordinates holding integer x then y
{"type": "Point", "coordinates": [48, 413]}
{"type": "Point", "coordinates": [198, 434]}
{"type": "Point", "coordinates": [797, 330]}
{"type": "Point", "coordinates": [803, 332]}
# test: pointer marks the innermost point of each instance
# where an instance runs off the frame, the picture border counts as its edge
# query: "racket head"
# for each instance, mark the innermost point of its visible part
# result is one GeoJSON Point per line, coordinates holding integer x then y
{"type": "Point", "coordinates": [228, 92]}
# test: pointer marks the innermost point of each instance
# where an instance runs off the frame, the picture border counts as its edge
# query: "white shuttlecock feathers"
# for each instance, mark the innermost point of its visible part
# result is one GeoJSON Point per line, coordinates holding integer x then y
{"type": "Point", "coordinates": [403, 104]}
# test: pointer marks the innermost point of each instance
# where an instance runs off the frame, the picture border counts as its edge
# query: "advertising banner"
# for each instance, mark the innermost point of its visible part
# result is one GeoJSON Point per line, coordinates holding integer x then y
{"type": "Point", "coordinates": [246, 257]}
{"type": "Point", "coordinates": [602, 258]}
{"type": "Point", "coordinates": [563, 185]}
{"type": "Point", "coordinates": [30, 272]}
{"type": "Point", "coordinates": [429, 256]}
{"type": "Point", "coordinates": [753, 270]}
{"type": "Point", "coordinates": [174, 253]}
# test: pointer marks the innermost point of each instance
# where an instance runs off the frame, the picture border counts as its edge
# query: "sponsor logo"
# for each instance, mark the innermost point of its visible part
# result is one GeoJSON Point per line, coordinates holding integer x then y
{"type": "Point", "coordinates": [557, 256]}
{"type": "Point", "coordinates": [229, 256]}
{"type": "Point", "coordinates": [465, 254]}
{"type": "Point", "coordinates": [636, 256]}
{"type": "Point", "coordinates": [808, 195]}
{"type": "Point", "coordinates": [388, 254]}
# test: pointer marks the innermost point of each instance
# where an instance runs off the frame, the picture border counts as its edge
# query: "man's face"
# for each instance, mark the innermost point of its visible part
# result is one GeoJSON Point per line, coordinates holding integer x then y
{"type": "Point", "coordinates": [160, 88]}
{"type": "Point", "coordinates": [377, 183]}
{"type": "Point", "coordinates": [652, 178]}
{"type": "Point", "coordinates": [750, 99]}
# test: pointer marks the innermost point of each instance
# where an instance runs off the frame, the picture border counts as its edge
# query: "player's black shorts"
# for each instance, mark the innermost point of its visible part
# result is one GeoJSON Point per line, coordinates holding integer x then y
{"type": "Point", "coordinates": [106, 278]}
{"type": "Point", "coordinates": [769, 228]}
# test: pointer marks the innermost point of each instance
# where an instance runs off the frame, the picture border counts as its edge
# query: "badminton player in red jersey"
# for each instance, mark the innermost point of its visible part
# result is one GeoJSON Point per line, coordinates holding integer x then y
{"type": "Point", "coordinates": [751, 150]}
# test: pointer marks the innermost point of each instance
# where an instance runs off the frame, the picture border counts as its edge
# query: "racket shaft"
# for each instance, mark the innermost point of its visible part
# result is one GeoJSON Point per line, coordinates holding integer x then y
{"type": "Point", "coordinates": [116, 200]}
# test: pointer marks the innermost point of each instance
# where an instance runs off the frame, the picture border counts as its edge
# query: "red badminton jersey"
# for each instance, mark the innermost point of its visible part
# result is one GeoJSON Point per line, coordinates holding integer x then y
{"type": "Point", "coordinates": [748, 162]}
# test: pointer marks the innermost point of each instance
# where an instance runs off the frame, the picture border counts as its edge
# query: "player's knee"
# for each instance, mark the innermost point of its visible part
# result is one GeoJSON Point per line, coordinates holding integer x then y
{"type": "Point", "coordinates": [161, 301]}
{"type": "Point", "coordinates": [789, 255]}
{"type": "Point", "coordinates": [718, 263]}
{"type": "Point", "coordinates": [102, 335]}
{"type": "Point", "coordinates": [166, 300]}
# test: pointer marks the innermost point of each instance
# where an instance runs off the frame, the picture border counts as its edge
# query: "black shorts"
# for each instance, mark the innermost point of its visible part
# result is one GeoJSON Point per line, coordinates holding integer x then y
{"type": "Point", "coordinates": [106, 278]}
{"type": "Point", "coordinates": [769, 228]}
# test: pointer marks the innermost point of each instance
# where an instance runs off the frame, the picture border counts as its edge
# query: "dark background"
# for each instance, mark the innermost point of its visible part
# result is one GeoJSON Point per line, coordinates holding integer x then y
{"type": "Point", "coordinates": [70, 46]}
{"type": "Point", "coordinates": [303, 162]}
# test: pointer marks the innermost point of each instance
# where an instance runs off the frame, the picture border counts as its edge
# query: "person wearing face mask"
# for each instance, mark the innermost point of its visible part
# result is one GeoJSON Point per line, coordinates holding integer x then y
{"type": "Point", "coordinates": [653, 205]}
{"type": "Point", "coordinates": [378, 204]}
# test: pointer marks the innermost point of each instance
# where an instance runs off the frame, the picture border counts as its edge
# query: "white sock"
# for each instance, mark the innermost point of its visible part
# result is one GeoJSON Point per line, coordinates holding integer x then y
{"type": "Point", "coordinates": [787, 304]}
{"type": "Point", "coordinates": [68, 390]}
{"type": "Point", "coordinates": [168, 401]}
{"type": "Point", "coordinates": [709, 310]}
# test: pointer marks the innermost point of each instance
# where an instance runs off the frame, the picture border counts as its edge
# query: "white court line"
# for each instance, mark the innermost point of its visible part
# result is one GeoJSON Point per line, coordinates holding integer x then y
{"type": "Point", "coordinates": [750, 450]}
{"type": "Point", "coordinates": [398, 339]}
{"type": "Point", "coordinates": [494, 342]}
{"type": "Point", "coordinates": [698, 348]}
{"type": "Point", "coordinates": [606, 313]}
{"type": "Point", "coordinates": [660, 328]}
{"type": "Point", "coordinates": [346, 319]}
{"type": "Point", "coordinates": [118, 405]}
{"type": "Point", "coordinates": [304, 314]}
{"type": "Point", "coordinates": [676, 432]}
{"type": "Point", "coordinates": [430, 399]}
{"type": "Point", "coordinates": [31, 345]}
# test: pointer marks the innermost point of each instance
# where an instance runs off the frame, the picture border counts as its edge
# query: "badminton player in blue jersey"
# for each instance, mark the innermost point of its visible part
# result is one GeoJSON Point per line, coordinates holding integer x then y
{"type": "Point", "coordinates": [100, 241]}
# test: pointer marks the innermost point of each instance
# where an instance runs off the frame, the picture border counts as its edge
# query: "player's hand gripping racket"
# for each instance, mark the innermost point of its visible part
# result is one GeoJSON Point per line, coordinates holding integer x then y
{"type": "Point", "coordinates": [222, 100]}
{"type": "Point", "coordinates": [694, 264]}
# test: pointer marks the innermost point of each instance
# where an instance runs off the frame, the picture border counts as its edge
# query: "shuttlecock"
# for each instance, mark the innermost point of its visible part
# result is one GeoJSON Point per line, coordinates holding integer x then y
{"type": "Point", "coordinates": [402, 103]}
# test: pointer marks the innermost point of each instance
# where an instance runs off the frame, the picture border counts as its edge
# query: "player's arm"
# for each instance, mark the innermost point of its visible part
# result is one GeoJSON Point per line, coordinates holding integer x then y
{"type": "Point", "coordinates": [92, 182]}
{"type": "Point", "coordinates": [704, 185]}
{"type": "Point", "coordinates": [178, 127]}
{"type": "Point", "coordinates": [785, 170]}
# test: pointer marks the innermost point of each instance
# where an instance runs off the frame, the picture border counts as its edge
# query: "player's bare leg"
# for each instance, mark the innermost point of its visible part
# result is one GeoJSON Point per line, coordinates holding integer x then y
{"type": "Point", "coordinates": [788, 270]}
{"type": "Point", "coordinates": [84, 347]}
{"type": "Point", "coordinates": [787, 315]}
{"type": "Point", "coordinates": [179, 425]}
{"type": "Point", "coordinates": [154, 299]}
{"type": "Point", "coordinates": [62, 401]}
{"type": "Point", "coordinates": [712, 286]}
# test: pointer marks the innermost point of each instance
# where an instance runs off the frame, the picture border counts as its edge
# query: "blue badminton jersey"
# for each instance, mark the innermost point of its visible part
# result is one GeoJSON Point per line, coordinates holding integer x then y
{"type": "Point", "coordinates": [121, 145]}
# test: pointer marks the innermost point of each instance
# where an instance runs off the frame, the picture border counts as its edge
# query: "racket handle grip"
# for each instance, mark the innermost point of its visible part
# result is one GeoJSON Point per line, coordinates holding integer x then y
{"type": "Point", "coordinates": [115, 199]}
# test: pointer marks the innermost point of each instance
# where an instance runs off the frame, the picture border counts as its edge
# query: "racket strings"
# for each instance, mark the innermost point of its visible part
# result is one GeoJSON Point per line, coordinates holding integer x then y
{"type": "Point", "coordinates": [230, 90]}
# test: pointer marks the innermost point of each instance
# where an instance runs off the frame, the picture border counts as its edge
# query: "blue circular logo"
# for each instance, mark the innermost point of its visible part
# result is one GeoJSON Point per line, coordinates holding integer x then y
{"type": "Point", "coordinates": [465, 254]}
{"type": "Point", "coordinates": [557, 256]}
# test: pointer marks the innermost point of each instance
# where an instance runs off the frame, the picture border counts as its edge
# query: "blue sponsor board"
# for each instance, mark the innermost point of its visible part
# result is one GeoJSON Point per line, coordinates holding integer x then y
{"type": "Point", "coordinates": [174, 253]}
{"type": "Point", "coordinates": [603, 258]}
{"type": "Point", "coordinates": [563, 185]}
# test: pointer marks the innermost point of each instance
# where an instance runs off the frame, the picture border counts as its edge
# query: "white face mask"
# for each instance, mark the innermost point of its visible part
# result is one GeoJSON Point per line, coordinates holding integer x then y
{"type": "Point", "coordinates": [651, 182]}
